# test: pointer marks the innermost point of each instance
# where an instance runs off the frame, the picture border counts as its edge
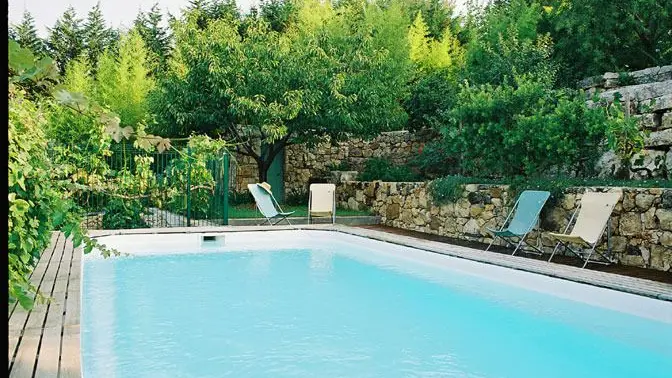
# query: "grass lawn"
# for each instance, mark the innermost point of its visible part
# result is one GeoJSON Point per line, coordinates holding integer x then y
{"type": "Point", "coordinates": [250, 211]}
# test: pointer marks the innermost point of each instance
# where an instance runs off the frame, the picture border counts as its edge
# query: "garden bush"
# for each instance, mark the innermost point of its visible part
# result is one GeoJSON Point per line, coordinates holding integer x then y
{"type": "Point", "coordinates": [523, 130]}
{"type": "Point", "coordinates": [385, 170]}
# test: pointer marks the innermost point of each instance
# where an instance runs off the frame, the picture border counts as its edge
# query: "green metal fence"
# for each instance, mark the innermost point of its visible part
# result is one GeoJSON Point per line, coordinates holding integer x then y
{"type": "Point", "coordinates": [186, 189]}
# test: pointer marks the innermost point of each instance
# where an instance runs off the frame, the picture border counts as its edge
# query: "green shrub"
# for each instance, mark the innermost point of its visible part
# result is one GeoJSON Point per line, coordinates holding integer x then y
{"type": "Point", "coordinates": [524, 129]}
{"type": "Point", "coordinates": [385, 170]}
{"type": "Point", "coordinates": [344, 165]}
{"type": "Point", "coordinates": [434, 160]}
{"type": "Point", "coordinates": [123, 214]}
{"type": "Point", "coordinates": [297, 197]}
{"type": "Point", "coordinates": [240, 198]}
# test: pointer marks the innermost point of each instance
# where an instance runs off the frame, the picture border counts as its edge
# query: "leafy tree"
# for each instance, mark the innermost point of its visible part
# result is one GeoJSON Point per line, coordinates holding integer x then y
{"type": "Point", "coordinates": [78, 77]}
{"type": "Point", "coordinates": [524, 129]}
{"type": "Point", "coordinates": [438, 63]}
{"type": "Point", "coordinates": [97, 36]}
{"type": "Point", "coordinates": [504, 43]}
{"type": "Point", "coordinates": [25, 34]}
{"type": "Point", "coordinates": [278, 13]}
{"type": "Point", "coordinates": [596, 36]}
{"type": "Point", "coordinates": [66, 39]}
{"type": "Point", "coordinates": [156, 37]}
{"type": "Point", "coordinates": [206, 11]}
{"type": "Point", "coordinates": [438, 15]}
{"type": "Point", "coordinates": [331, 75]}
{"type": "Point", "coordinates": [432, 54]}
{"type": "Point", "coordinates": [123, 82]}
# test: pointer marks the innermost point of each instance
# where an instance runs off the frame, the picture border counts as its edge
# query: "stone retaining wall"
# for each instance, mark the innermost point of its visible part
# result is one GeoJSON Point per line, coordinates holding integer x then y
{"type": "Point", "coordinates": [649, 96]}
{"type": "Point", "coordinates": [641, 223]}
{"type": "Point", "coordinates": [305, 165]}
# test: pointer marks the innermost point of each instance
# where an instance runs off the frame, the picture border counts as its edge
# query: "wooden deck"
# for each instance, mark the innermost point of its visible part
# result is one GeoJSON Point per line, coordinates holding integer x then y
{"type": "Point", "coordinates": [44, 342]}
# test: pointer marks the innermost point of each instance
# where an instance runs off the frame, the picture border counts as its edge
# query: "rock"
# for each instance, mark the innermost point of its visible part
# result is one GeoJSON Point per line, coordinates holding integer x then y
{"type": "Point", "coordinates": [353, 204]}
{"type": "Point", "coordinates": [666, 199]}
{"type": "Point", "coordinates": [393, 188]}
{"type": "Point", "coordinates": [668, 162]}
{"type": "Point", "coordinates": [628, 201]}
{"type": "Point", "coordinates": [370, 190]}
{"type": "Point", "coordinates": [495, 192]}
{"type": "Point", "coordinates": [652, 74]}
{"type": "Point", "coordinates": [422, 200]}
{"type": "Point", "coordinates": [618, 243]}
{"type": "Point", "coordinates": [661, 258]}
{"type": "Point", "coordinates": [419, 220]}
{"type": "Point", "coordinates": [666, 239]}
{"type": "Point", "coordinates": [644, 201]}
{"type": "Point", "coordinates": [447, 209]}
{"type": "Point", "coordinates": [477, 197]}
{"type": "Point", "coordinates": [392, 211]}
{"type": "Point", "coordinates": [554, 220]}
{"type": "Point", "coordinates": [657, 104]}
{"type": "Point", "coordinates": [640, 92]}
{"type": "Point", "coordinates": [471, 227]}
{"type": "Point", "coordinates": [664, 217]}
{"type": "Point", "coordinates": [608, 165]}
{"type": "Point", "coordinates": [568, 201]}
{"type": "Point", "coordinates": [471, 187]}
{"type": "Point", "coordinates": [646, 121]}
{"type": "Point", "coordinates": [435, 223]}
{"type": "Point", "coordinates": [659, 138]}
{"type": "Point", "coordinates": [487, 215]}
{"type": "Point", "coordinates": [630, 224]}
{"type": "Point", "coordinates": [648, 163]}
{"type": "Point", "coordinates": [476, 210]}
{"type": "Point", "coordinates": [666, 121]}
{"type": "Point", "coordinates": [649, 219]}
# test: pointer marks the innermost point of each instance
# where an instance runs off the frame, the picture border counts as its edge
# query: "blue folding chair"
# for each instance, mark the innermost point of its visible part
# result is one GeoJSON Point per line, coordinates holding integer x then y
{"type": "Point", "coordinates": [267, 204]}
{"type": "Point", "coordinates": [525, 212]}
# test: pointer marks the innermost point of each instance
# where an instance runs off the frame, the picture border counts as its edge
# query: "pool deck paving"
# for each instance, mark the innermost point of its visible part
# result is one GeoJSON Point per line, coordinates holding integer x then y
{"type": "Point", "coordinates": [45, 342]}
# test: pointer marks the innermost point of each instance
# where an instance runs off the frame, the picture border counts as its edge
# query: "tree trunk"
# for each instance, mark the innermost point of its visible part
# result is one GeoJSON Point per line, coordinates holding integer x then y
{"type": "Point", "coordinates": [262, 167]}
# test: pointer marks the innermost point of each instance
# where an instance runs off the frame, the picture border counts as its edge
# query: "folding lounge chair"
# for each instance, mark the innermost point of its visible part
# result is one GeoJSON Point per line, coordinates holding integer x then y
{"type": "Point", "coordinates": [267, 204]}
{"type": "Point", "coordinates": [525, 215]}
{"type": "Point", "coordinates": [322, 201]}
{"type": "Point", "coordinates": [594, 213]}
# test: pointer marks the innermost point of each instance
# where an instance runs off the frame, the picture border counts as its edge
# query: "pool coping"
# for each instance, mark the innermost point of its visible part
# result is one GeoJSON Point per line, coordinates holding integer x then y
{"type": "Point", "coordinates": [632, 285]}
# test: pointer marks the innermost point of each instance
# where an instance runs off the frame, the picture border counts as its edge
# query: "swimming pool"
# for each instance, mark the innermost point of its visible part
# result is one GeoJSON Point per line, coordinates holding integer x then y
{"type": "Point", "coordinates": [326, 304]}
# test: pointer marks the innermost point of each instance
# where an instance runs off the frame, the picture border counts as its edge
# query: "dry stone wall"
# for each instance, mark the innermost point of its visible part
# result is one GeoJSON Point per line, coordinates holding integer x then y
{"type": "Point", "coordinates": [305, 165]}
{"type": "Point", "coordinates": [648, 93]}
{"type": "Point", "coordinates": [641, 223]}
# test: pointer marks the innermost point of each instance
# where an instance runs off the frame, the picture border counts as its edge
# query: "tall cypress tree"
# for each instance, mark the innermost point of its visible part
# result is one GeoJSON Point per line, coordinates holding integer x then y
{"type": "Point", "coordinates": [97, 37]}
{"type": "Point", "coordinates": [156, 37]}
{"type": "Point", "coordinates": [213, 10]}
{"type": "Point", "coordinates": [25, 34]}
{"type": "Point", "coordinates": [66, 38]}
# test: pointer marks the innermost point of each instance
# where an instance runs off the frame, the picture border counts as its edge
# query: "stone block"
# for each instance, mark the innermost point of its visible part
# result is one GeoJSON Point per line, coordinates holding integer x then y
{"type": "Point", "coordinates": [644, 201]}
{"type": "Point", "coordinates": [630, 224]}
{"type": "Point", "coordinates": [665, 239]}
{"type": "Point", "coordinates": [664, 217]}
{"type": "Point", "coordinates": [471, 227]}
{"type": "Point", "coordinates": [659, 138]}
{"type": "Point", "coordinates": [661, 258]}
{"type": "Point", "coordinates": [392, 211]}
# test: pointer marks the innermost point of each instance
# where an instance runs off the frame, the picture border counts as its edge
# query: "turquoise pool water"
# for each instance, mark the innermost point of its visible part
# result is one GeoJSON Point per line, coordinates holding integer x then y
{"type": "Point", "coordinates": [322, 313]}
